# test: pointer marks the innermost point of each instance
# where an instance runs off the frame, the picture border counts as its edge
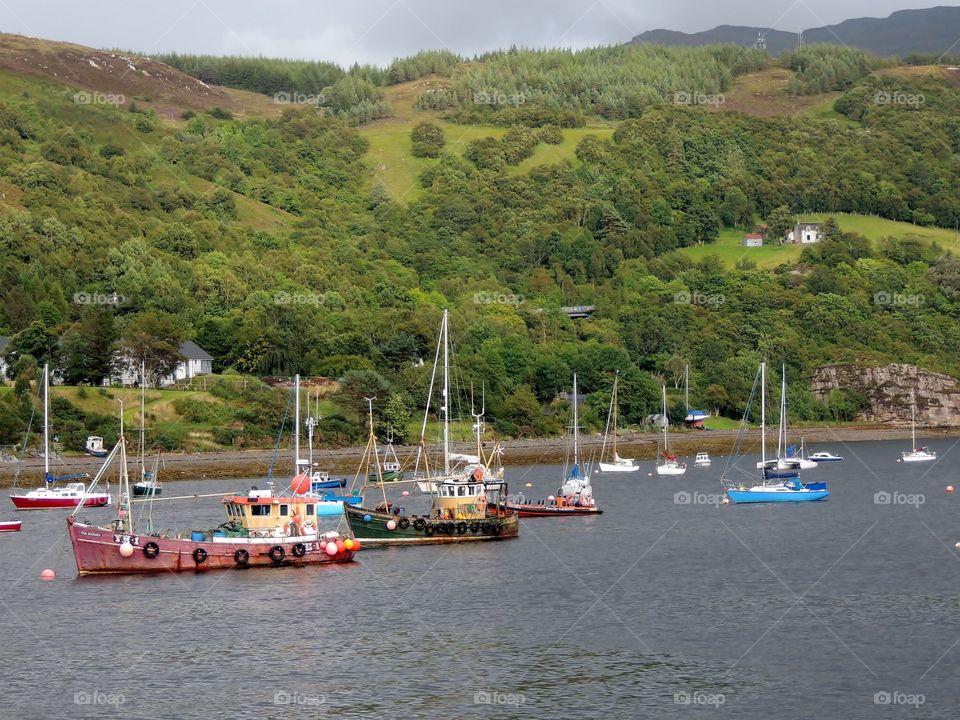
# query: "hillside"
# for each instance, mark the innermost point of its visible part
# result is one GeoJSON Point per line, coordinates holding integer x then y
{"type": "Point", "coordinates": [934, 30]}
{"type": "Point", "coordinates": [296, 242]}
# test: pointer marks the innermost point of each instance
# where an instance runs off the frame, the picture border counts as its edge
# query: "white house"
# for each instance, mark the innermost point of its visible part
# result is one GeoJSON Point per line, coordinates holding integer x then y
{"type": "Point", "coordinates": [753, 240]}
{"type": "Point", "coordinates": [804, 234]}
{"type": "Point", "coordinates": [3, 361]}
{"type": "Point", "coordinates": [196, 361]}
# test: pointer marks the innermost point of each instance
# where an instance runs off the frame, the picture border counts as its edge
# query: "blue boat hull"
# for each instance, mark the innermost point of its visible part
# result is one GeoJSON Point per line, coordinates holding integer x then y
{"type": "Point", "coordinates": [326, 484]}
{"type": "Point", "coordinates": [770, 496]}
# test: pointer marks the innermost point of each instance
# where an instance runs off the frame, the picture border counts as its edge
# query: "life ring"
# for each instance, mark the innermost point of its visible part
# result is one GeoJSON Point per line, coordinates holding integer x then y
{"type": "Point", "coordinates": [429, 530]}
{"type": "Point", "coordinates": [299, 550]}
{"type": "Point", "coordinates": [309, 528]}
{"type": "Point", "coordinates": [404, 523]}
{"type": "Point", "coordinates": [241, 557]}
{"type": "Point", "coordinates": [151, 550]}
{"type": "Point", "coordinates": [277, 553]}
{"type": "Point", "coordinates": [461, 528]}
{"type": "Point", "coordinates": [418, 524]}
{"type": "Point", "coordinates": [199, 555]}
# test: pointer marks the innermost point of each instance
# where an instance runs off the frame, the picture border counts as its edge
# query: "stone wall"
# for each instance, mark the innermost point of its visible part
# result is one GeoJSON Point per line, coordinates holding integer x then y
{"type": "Point", "coordinates": [888, 389]}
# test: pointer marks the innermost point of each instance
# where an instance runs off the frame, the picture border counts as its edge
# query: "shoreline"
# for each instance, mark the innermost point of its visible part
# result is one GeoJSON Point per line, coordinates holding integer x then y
{"type": "Point", "coordinates": [344, 461]}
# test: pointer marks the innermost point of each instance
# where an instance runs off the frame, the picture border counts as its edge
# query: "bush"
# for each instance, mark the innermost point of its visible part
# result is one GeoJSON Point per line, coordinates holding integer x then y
{"type": "Point", "coordinates": [428, 140]}
{"type": "Point", "coordinates": [220, 113]}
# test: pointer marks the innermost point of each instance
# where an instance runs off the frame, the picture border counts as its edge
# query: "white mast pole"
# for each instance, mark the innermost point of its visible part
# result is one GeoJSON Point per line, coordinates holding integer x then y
{"type": "Point", "coordinates": [143, 401]}
{"type": "Point", "coordinates": [666, 421]}
{"type": "Point", "coordinates": [46, 422]}
{"type": "Point", "coordinates": [763, 413]}
{"type": "Point", "coordinates": [576, 424]}
{"type": "Point", "coordinates": [446, 399]}
{"type": "Point", "coordinates": [296, 424]}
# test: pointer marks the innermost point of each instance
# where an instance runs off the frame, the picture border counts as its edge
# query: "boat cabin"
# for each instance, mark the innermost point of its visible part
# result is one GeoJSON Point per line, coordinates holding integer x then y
{"type": "Point", "coordinates": [462, 499]}
{"type": "Point", "coordinates": [261, 514]}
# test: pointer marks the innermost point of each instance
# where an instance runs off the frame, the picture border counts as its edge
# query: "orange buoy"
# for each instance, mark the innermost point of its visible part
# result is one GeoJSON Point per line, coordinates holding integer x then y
{"type": "Point", "coordinates": [47, 574]}
{"type": "Point", "coordinates": [300, 484]}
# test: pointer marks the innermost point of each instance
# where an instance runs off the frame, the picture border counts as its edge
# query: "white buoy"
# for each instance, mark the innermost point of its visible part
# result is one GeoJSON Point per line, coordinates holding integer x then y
{"type": "Point", "coordinates": [47, 574]}
{"type": "Point", "coordinates": [126, 549]}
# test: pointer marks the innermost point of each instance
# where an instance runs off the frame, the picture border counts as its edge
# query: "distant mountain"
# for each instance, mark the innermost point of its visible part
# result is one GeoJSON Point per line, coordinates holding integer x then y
{"type": "Point", "coordinates": [934, 30]}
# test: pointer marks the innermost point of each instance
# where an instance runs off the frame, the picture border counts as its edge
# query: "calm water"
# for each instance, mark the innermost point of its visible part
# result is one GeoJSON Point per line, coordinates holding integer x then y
{"type": "Point", "coordinates": [658, 608]}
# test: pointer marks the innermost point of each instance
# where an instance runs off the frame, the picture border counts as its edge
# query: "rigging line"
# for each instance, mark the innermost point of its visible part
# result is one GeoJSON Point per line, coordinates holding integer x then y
{"type": "Point", "coordinates": [276, 447]}
{"type": "Point", "coordinates": [23, 445]}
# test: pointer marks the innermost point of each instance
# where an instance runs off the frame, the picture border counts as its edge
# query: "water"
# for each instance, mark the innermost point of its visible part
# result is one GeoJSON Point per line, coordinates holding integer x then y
{"type": "Point", "coordinates": [658, 608]}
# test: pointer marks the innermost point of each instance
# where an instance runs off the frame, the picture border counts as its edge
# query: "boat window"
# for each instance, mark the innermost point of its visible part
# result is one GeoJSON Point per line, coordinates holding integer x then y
{"type": "Point", "coordinates": [284, 510]}
{"type": "Point", "coordinates": [309, 510]}
{"type": "Point", "coordinates": [259, 510]}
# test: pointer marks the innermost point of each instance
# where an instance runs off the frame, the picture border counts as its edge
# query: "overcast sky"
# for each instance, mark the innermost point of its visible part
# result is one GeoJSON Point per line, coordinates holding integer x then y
{"type": "Point", "coordinates": [375, 31]}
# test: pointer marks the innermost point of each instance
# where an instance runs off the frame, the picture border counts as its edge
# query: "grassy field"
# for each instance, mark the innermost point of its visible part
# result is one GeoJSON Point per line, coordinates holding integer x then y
{"type": "Point", "coordinates": [729, 249]}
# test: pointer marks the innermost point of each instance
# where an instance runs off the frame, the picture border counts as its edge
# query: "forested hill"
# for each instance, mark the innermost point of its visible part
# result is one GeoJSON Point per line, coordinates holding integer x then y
{"type": "Point", "coordinates": [931, 31]}
{"type": "Point", "coordinates": [282, 243]}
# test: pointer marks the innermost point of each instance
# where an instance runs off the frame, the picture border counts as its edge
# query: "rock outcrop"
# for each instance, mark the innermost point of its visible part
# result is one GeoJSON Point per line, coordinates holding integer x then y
{"type": "Point", "coordinates": [888, 389]}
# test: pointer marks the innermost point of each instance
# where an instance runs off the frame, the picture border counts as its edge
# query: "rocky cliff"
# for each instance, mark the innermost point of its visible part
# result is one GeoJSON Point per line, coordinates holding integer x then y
{"type": "Point", "coordinates": [888, 389]}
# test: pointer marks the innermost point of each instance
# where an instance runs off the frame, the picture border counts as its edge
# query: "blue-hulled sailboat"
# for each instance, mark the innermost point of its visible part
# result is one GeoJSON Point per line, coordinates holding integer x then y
{"type": "Point", "coordinates": [775, 484]}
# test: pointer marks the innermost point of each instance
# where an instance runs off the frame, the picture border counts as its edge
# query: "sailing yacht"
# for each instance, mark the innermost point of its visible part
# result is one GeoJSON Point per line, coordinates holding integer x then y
{"type": "Point", "coordinates": [917, 453]}
{"type": "Point", "coordinates": [776, 485]}
{"type": "Point", "coordinates": [693, 419]}
{"type": "Point", "coordinates": [787, 462]}
{"type": "Point", "coordinates": [48, 497]}
{"type": "Point", "coordinates": [670, 464]}
{"type": "Point", "coordinates": [618, 464]}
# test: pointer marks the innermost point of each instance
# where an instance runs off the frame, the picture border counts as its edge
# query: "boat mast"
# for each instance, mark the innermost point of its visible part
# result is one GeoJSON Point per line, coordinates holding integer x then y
{"type": "Point", "coordinates": [126, 509]}
{"type": "Point", "coordinates": [446, 398]}
{"type": "Point", "coordinates": [666, 421]}
{"type": "Point", "coordinates": [616, 378]}
{"type": "Point", "coordinates": [782, 437]}
{"type": "Point", "coordinates": [296, 424]}
{"type": "Point", "coordinates": [576, 426]}
{"type": "Point", "coordinates": [763, 413]}
{"type": "Point", "coordinates": [686, 388]}
{"type": "Point", "coordinates": [913, 420]}
{"type": "Point", "coordinates": [46, 422]}
{"type": "Point", "coordinates": [143, 401]}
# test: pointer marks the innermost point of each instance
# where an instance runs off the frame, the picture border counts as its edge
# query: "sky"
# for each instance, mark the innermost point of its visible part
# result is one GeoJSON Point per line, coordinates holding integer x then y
{"type": "Point", "coordinates": [376, 31]}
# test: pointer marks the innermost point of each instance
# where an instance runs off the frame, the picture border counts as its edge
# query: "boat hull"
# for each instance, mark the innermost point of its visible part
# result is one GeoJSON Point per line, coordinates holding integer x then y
{"type": "Point", "coordinates": [11, 525]}
{"type": "Point", "coordinates": [23, 502]}
{"type": "Point", "coordinates": [613, 467]}
{"type": "Point", "coordinates": [775, 496]}
{"type": "Point", "coordinates": [97, 552]}
{"type": "Point", "coordinates": [823, 459]}
{"type": "Point", "coordinates": [328, 484]}
{"type": "Point", "coordinates": [143, 490]}
{"type": "Point", "coordinates": [427, 531]}
{"type": "Point", "coordinates": [906, 457]}
{"type": "Point", "coordinates": [666, 470]}
{"type": "Point", "coordinates": [529, 511]}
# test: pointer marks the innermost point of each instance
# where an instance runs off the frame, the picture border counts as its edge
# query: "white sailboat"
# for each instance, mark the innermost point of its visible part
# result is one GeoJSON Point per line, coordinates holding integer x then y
{"type": "Point", "coordinates": [618, 463]}
{"type": "Point", "coordinates": [917, 453]}
{"type": "Point", "coordinates": [667, 463]}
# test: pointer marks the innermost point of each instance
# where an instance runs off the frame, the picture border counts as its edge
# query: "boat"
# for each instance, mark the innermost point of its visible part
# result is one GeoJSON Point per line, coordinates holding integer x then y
{"type": "Point", "coordinates": [775, 484]}
{"type": "Point", "coordinates": [147, 483]}
{"type": "Point", "coordinates": [800, 457]}
{"type": "Point", "coordinates": [262, 529]}
{"type": "Point", "coordinates": [618, 464]}
{"type": "Point", "coordinates": [459, 510]}
{"type": "Point", "coordinates": [48, 497]}
{"type": "Point", "coordinates": [823, 456]}
{"type": "Point", "coordinates": [917, 453]}
{"type": "Point", "coordinates": [94, 446]}
{"type": "Point", "coordinates": [574, 497]}
{"type": "Point", "coordinates": [320, 480]}
{"type": "Point", "coordinates": [10, 525]}
{"type": "Point", "coordinates": [389, 469]}
{"type": "Point", "coordinates": [692, 419]}
{"type": "Point", "coordinates": [667, 462]}
{"type": "Point", "coordinates": [702, 460]}
{"type": "Point", "coordinates": [788, 462]}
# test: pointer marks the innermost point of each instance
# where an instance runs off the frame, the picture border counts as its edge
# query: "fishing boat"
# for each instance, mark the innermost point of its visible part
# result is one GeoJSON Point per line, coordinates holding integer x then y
{"type": "Point", "coordinates": [388, 469]}
{"type": "Point", "coordinates": [94, 446]}
{"type": "Point", "coordinates": [702, 460]}
{"type": "Point", "coordinates": [823, 456]}
{"type": "Point", "coordinates": [147, 483]}
{"type": "Point", "coordinates": [49, 497]}
{"type": "Point", "coordinates": [306, 480]}
{"type": "Point", "coordinates": [460, 507]}
{"type": "Point", "coordinates": [262, 529]}
{"type": "Point", "coordinates": [617, 464]}
{"type": "Point", "coordinates": [917, 453]}
{"type": "Point", "coordinates": [667, 462]}
{"type": "Point", "coordinates": [10, 525]}
{"type": "Point", "coordinates": [574, 497]}
{"type": "Point", "coordinates": [775, 484]}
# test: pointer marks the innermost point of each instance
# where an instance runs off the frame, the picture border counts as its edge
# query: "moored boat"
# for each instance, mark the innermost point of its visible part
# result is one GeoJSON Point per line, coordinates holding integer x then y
{"type": "Point", "coordinates": [917, 453]}
{"type": "Point", "coordinates": [617, 463]}
{"type": "Point", "coordinates": [94, 447]}
{"type": "Point", "coordinates": [702, 460]}
{"type": "Point", "coordinates": [824, 456]}
{"type": "Point", "coordinates": [667, 462]}
{"type": "Point", "coordinates": [10, 525]}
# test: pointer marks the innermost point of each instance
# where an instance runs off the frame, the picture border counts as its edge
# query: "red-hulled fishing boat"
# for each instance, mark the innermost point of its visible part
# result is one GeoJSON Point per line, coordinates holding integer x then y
{"type": "Point", "coordinates": [262, 529]}
{"type": "Point", "coordinates": [10, 525]}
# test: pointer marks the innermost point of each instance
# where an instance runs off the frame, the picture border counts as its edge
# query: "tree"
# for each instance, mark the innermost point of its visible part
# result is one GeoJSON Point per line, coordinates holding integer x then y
{"type": "Point", "coordinates": [153, 339]}
{"type": "Point", "coordinates": [88, 348]}
{"type": "Point", "coordinates": [522, 409]}
{"type": "Point", "coordinates": [358, 385]}
{"type": "Point", "coordinates": [428, 140]}
{"type": "Point", "coordinates": [780, 221]}
{"type": "Point", "coordinates": [735, 209]}
{"type": "Point", "coordinates": [395, 415]}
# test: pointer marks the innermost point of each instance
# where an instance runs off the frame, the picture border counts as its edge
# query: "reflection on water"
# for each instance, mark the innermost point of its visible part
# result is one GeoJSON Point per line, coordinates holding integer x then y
{"type": "Point", "coordinates": [660, 607]}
